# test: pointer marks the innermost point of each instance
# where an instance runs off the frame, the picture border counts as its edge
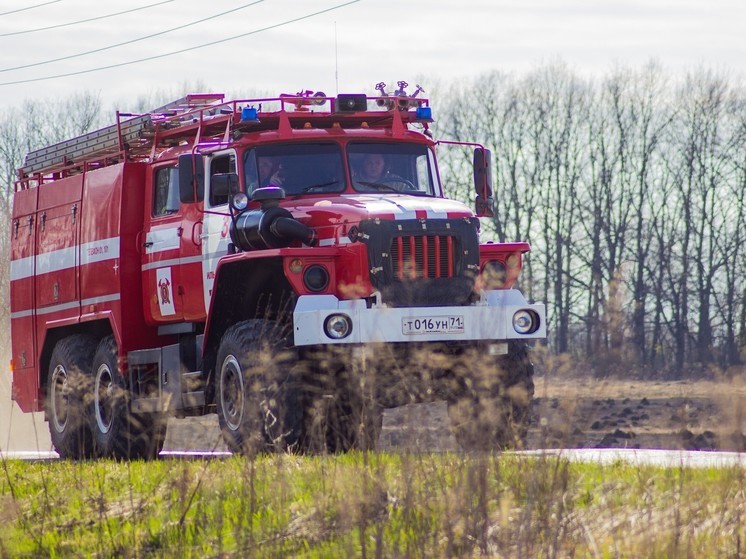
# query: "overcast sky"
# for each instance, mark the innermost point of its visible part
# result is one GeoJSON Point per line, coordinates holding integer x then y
{"type": "Point", "coordinates": [350, 47]}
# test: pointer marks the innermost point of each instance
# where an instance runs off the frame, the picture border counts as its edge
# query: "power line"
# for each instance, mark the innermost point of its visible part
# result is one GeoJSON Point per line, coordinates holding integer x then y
{"type": "Point", "coordinates": [29, 8]}
{"type": "Point", "coordinates": [82, 20]}
{"type": "Point", "coordinates": [275, 26]}
{"type": "Point", "coordinates": [131, 41]}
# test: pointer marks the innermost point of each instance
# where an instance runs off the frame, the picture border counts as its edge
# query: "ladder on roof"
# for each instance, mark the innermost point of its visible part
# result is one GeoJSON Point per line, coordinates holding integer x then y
{"type": "Point", "coordinates": [134, 134]}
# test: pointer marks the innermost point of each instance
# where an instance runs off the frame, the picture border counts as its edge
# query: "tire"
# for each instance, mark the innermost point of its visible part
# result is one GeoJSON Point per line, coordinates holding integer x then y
{"type": "Point", "coordinates": [68, 386]}
{"type": "Point", "coordinates": [117, 432]}
{"type": "Point", "coordinates": [256, 390]}
{"type": "Point", "coordinates": [494, 412]}
{"type": "Point", "coordinates": [342, 412]}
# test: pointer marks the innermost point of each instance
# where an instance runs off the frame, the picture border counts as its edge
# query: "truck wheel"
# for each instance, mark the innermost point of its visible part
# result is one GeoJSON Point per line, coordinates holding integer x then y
{"type": "Point", "coordinates": [117, 432]}
{"type": "Point", "coordinates": [342, 412]}
{"type": "Point", "coordinates": [68, 383]}
{"type": "Point", "coordinates": [354, 419]}
{"type": "Point", "coordinates": [494, 412]}
{"type": "Point", "coordinates": [256, 391]}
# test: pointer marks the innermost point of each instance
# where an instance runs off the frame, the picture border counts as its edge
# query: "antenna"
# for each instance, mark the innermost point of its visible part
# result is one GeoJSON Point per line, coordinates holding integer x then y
{"type": "Point", "coordinates": [336, 59]}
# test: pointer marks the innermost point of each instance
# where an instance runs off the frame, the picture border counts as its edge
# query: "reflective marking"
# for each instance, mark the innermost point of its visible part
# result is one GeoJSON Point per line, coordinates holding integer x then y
{"type": "Point", "coordinates": [58, 308]}
{"type": "Point", "coordinates": [99, 251]}
{"type": "Point", "coordinates": [162, 240]}
{"type": "Point", "coordinates": [21, 268]}
{"type": "Point", "coordinates": [67, 306]}
{"type": "Point", "coordinates": [332, 241]}
{"type": "Point", "coordinates": [172, 262]}
{"type": "Point", "coordinates": [21, 314]}
{"type": "Point", "coordinates": [56, 260]}
{"type": "Point", "coordinates": [62, 259]}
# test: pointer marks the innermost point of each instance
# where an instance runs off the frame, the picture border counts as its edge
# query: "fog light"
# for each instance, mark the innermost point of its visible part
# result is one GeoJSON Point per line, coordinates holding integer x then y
{"type": "Point", "coordinates": [525, 322]}
{"type": "Point", "coordinates": [338, 326]}
{"type": "Point", "coordinates": [316, 278]}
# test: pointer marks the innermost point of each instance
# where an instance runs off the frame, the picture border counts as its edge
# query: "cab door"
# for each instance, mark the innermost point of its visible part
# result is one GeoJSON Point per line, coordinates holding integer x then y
{"type": "Point", "coordinates": [216, 226]}
{"type": "Point", "coordinates": [162, 242]}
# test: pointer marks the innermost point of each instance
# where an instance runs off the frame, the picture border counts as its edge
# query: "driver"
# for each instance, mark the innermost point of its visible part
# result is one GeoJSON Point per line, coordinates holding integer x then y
{"type": "Point", "coordinates": [373, 171]}
{"type": "Point", "coordinates": [372, 168]}
{"type": "Point", "coordinates": [269, 171]}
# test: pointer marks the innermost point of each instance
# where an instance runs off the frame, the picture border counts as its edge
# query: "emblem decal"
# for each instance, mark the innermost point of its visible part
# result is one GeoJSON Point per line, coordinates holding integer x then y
{"type": "Point", "coordinates": [164, 292]}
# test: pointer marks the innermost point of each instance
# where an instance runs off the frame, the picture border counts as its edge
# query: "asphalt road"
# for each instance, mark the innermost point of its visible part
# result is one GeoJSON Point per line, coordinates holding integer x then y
{"type": "Point", "coordinates": [638, 457]}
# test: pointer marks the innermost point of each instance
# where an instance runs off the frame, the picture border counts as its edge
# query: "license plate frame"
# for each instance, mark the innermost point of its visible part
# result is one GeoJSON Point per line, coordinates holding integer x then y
{"type": "Point", "coordinates": [444, 324]}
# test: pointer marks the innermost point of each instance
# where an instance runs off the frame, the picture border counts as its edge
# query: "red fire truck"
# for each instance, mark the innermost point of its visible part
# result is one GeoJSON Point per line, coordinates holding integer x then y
{"type": "Point", "coordinates": [289, 263]}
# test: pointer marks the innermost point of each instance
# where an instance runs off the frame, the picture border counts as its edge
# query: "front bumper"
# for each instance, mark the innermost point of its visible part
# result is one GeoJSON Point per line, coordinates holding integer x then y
{"type": "Point", "coordinates": [490, 319]}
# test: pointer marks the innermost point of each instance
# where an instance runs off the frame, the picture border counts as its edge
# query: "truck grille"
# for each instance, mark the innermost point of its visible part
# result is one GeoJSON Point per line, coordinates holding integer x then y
{"type": "Point", "coordinates": [422, 263]}
{"type": "Point", "coordinates": [424, 256]}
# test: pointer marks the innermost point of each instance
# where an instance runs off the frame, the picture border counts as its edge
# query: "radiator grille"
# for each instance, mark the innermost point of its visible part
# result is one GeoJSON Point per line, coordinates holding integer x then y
{"type": "Point", "coordinates": [423, 256]}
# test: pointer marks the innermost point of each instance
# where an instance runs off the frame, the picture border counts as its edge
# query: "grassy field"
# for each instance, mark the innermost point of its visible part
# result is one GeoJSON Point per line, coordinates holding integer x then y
{"type": "Point", "coordinates": [369, 505]}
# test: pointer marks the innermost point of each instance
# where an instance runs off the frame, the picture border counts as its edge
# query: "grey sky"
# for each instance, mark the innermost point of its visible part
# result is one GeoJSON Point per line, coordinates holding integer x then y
{"type": "Point", "coordinates": [366, 41]}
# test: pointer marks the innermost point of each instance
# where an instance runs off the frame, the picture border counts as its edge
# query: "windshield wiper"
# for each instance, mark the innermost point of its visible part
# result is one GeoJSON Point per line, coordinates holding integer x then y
{"type": "Point", "coordinates": [379, 186]}
{"type": "Point", "coordinates": [308, 189]}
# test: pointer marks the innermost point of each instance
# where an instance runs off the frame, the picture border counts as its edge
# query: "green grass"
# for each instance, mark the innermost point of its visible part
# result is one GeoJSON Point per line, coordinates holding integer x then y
{"type": "Point", "coordinates": [369, 505]}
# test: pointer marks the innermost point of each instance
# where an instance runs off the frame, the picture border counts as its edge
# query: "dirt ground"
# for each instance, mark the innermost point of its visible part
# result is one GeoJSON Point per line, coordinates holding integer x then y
{"type": "Point", "coordinates": [607, 413]}
{"type": "Point", "coordinates": [567, 413]}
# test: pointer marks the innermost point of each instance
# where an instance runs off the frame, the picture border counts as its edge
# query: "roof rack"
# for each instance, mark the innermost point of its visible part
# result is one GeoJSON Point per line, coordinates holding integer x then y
{"type": "Point", "coordinates": [206, 118]}
{"type": "Point", "coordinates": [111, 140]}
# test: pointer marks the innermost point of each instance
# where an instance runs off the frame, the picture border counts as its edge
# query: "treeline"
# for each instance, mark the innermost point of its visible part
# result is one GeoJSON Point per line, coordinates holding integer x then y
{"type": "Point", "coordinates": [630, 188]}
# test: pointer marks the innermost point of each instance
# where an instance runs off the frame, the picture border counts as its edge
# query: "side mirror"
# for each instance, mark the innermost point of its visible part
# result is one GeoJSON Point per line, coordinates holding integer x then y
{"type": "Point", "coordinates": [223, 185]}
{"type": "Point", "coordinates": [191, 178]}
{"type": "Point", "coordinates": [483, 182]}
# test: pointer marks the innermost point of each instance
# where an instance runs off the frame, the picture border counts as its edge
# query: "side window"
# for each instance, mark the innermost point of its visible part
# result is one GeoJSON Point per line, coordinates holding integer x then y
{"type": "Point", "coordinates": [166, 191]}
{"type": "Point", "coordinates": [423, 171]}
{"type": "Point", "coordinates": [221, 164]}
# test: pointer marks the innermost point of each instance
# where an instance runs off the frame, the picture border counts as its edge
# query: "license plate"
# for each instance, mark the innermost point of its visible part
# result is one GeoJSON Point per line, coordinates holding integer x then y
{"type": "Point", "coordinates": [433, 325]}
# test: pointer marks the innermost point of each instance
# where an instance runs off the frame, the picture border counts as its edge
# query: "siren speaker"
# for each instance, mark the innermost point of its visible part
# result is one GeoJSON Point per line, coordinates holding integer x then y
{"type": "Point", "coordinates": [351, 103]}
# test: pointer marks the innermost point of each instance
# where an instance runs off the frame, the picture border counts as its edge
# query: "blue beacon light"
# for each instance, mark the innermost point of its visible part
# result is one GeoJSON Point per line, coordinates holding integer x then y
{"type": "Point", "coordinates": [424, 113]}
{"type": "Point", "coordinates": [249, 114]}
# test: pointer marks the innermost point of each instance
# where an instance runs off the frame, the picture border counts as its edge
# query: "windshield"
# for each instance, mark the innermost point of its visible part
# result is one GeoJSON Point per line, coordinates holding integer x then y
{"type": "Point", "coordinates": [399, 167]}
{"type": "Point", "coordinates": [297, 168]}
{"type": "Point", "coordinates": [305, 168]}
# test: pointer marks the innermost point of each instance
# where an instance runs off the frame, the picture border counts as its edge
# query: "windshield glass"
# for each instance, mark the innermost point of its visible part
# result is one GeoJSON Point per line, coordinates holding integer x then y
{"type": "Point", "coordinates": [397, 167]}
{"type": "Point", "coordinates": [297, 168]}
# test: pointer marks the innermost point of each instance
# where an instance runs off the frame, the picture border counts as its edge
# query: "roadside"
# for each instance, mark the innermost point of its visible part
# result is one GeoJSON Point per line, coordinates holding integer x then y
{"type": "Point", "coordinates": [612, 413]}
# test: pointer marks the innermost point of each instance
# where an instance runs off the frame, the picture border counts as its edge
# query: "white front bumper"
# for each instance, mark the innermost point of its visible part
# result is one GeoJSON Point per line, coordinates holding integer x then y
{"type": "Point", "coordinates": [490, 319]}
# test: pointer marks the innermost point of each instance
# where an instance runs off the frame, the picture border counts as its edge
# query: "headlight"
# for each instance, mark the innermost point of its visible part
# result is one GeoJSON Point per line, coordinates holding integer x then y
{"type": "Point", "coordinates": [337, 326]}
{"type": "Point", "coordinates": [316, 278]}
{"type": "Point", "coordinates": [525, 322]}
{"type": "Point", "coordinates": [240, 201]}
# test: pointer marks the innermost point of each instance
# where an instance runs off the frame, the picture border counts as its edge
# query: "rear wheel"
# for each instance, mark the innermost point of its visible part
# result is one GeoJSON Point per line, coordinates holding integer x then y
{"type": "Point", "coordinates": [256, 390]}
{"type": "Point", "coordinates": [68, 384]}
{"type": "Point", "coordinates": [493, 410]}
{"type": "Point", "coordinates": [117, 432]}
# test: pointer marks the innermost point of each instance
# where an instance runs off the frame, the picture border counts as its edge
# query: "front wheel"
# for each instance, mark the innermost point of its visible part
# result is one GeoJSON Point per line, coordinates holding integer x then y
{"type": "Point", "coordinates": [493, 412]}
{"type": "Point", "coordinates": [256, 391]}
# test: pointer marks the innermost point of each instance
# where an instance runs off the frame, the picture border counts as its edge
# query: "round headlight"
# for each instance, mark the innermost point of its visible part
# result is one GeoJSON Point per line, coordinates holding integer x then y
{"type": "Point", "coordinates": [337, 326]}
{"type": "Point", "coordinates": [316, 278]}
{"type": "Point", "coordinates": [525, 322]}
{"type": "Point", "coordinates": [239, 201]}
